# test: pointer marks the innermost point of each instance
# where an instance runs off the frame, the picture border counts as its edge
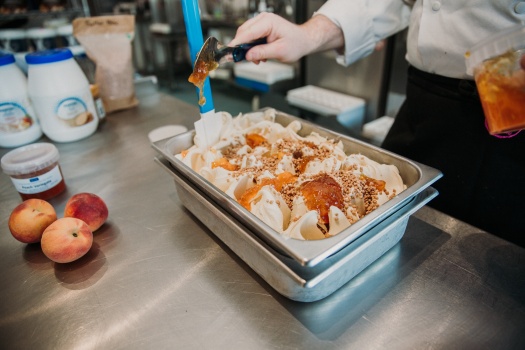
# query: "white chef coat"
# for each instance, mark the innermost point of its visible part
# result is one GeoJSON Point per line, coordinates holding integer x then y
{"type": "Point", "coordinates": [439, 34]}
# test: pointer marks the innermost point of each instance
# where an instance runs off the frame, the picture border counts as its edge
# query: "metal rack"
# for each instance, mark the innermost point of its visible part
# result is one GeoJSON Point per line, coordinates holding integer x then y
{"type": "Point", "coordinates": [73, 8]}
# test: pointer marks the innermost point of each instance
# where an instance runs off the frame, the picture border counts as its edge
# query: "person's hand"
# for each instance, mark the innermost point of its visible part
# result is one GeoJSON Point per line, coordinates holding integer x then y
{"type": "Point", "coordinates": [287, 42]}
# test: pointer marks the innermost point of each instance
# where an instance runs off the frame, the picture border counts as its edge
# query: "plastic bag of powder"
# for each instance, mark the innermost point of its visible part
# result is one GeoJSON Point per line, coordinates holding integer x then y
{"type": "Point", "coordinates": [107, 41]}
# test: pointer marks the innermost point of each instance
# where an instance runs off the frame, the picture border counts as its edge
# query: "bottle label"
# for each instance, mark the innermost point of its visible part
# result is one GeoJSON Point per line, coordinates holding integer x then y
{"type": "Point", "coordinates": [38, 183]}
{"type": "Point", "coordinates": [14, 118]}
{"type": "Point", "coordinates": [60, 113]}
{"type": "Point", "coordinates": [100, 108]}
{"type": "Point", "coordinates": [73, 111]}
{"type": "Point", "coordinates": [66, 117]}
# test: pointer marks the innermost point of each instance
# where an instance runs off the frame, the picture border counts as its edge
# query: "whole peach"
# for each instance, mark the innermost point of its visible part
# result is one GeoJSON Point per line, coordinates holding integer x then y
{"type": "Point", "coordinates": [30, 218]}
{"type": "Point", "coordinates": [66, 240]}
{"type": "Point", "coordinates": [87, 207]}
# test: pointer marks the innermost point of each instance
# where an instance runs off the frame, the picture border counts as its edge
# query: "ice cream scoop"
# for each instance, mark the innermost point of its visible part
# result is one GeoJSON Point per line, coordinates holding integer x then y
{"type": "Point", "coordinates": [215, 51]}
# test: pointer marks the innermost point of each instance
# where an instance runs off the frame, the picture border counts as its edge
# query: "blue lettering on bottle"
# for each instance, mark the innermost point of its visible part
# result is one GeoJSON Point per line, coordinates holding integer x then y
{"type": "Point", "coordinates": [34, 179]}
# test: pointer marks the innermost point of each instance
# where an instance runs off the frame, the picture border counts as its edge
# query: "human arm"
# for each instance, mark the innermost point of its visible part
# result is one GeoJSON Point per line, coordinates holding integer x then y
{"type": "Point", "coordinates": [353, 27]}
{"type": "Point", "coordinates": [365, 23]}
{"type": "Point", "coordinates": [287, 41]}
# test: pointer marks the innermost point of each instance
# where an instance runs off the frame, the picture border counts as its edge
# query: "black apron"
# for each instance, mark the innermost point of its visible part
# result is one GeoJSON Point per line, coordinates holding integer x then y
{"type": "Point", "coordinates": [441, 124]}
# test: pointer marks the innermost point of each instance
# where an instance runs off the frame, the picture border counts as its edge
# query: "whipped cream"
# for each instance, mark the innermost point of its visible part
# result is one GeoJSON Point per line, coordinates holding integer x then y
{"type": "Point", "coordinates": [304, 188]}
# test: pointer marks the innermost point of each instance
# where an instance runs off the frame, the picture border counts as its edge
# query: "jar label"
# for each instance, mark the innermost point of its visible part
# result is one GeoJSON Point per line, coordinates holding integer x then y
{"type": "Point", "coordinates": [14, 118]}
{"type": "Point", "coordinates": [73, 111]}
{"type": "Point", "coordinates": [38, 183]}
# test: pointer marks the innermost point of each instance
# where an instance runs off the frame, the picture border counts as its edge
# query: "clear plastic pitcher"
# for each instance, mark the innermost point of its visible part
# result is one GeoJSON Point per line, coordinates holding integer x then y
{"type": "Point", "coordinates": [495, 65]}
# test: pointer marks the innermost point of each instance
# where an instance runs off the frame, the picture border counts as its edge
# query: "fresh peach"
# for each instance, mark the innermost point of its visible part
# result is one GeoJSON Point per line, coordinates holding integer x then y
{"type": "Point", "coordinates": [66, 240]}
{"type": "Point", "coordinates": [30, 218]}
{"type": "Point", "coordinates": [87, 207]}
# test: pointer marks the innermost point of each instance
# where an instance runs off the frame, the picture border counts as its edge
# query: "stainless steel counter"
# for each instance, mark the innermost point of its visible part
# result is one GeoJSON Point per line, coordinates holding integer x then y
{"type": "Point", "coordinates": [156, 278]}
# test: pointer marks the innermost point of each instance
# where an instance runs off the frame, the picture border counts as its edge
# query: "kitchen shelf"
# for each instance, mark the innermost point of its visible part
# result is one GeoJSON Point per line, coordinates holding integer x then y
{"type": "Point", "coordinates": [40, 15]}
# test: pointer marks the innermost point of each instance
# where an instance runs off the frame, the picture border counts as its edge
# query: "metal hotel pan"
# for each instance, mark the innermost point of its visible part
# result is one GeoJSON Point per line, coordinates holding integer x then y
{"type": "Point", "coordinates": [285, 275]}
{"type": "Point", "coordinates": [416, 176]}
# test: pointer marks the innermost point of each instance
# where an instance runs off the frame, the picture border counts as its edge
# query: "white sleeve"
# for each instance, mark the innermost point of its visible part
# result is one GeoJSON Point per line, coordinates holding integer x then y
{"type": "Point", "coordinates": [364, 23]}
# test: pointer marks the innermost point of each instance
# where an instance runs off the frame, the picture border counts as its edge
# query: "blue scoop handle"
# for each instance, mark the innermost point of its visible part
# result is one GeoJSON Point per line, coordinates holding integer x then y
{"type": "Point", "coordinates": [239, 51]}
{"type": "Point", "coordinates": [190, 10]}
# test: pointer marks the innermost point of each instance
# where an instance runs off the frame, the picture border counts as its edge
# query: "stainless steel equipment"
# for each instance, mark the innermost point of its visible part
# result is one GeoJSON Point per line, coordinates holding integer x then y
{"type": "Point", "coordinates": [156, 277]}
{"type": "Point", "coordinates": [311, 270]}
{"type": "Point", "coordinates": [285, 275]}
